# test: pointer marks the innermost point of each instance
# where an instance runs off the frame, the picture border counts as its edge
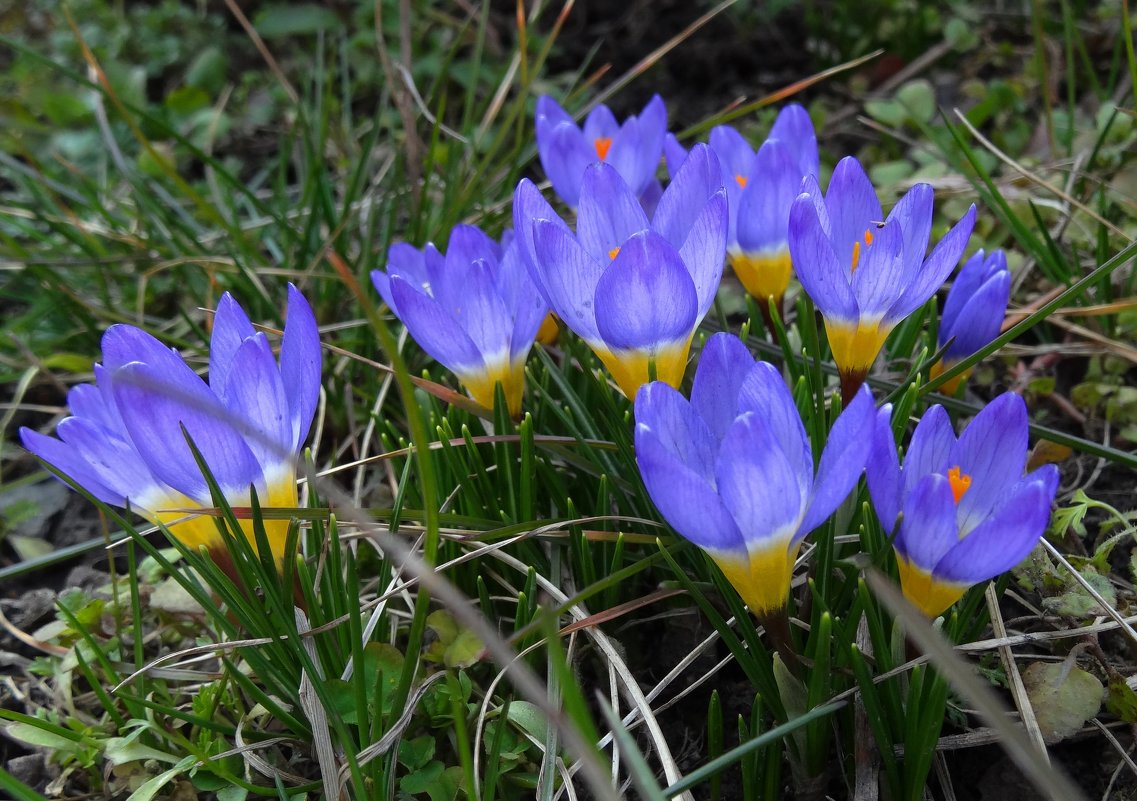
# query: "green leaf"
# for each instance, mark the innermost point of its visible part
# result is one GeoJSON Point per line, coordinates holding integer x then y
{"type": "Point", "coordinates": [120, 750]}
{"type": "Point", "coordinates": [1121, 700]}
{"type": "Point", "coordinates": [207, 71]}
{"type": "Point", "coordinates": [464, 651]}
{"type": "Point", "coordinates": [33, 735]}
{"type": "Point", "coordinates": [1063, 699]}
{"type": "Point", "coordinates": [422, 780]}
{"type": "Point", "coordinates": [416, 753]}
{"type": "Point", "coordinates": [919, 98]}
{"type": "Point", "coordinates": [529, 718]}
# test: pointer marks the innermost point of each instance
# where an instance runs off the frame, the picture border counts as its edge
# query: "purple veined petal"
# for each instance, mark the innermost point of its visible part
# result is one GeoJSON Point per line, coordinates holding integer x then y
{"type": "Point", "coordinates": [853, 207]}
{"type": "Point", "coordinates": [231, 327]}
{"type": "Point", "coordinates": [842, 460]}
{"type": "Point", "coordinates": [600, 123]}
{"type": "Point", "coordinates": [686, 500]}
{"type": "Point", "coordinates": [468, 244]}
{"type": "Point", "coordinates": [967, 281]}
{"type": "Point", "coordinates": [645, 299]}
{"type": "Point", "coordinates": [764, 393]}
{"type": "Point", "coordinates": [550, 113]}
{"type": "Point", "coordinates": [480, 310]}
{"type": "Point", "coordinates": [155, 406]}
{"type": "Point", "coordinates": [678, 427]}
{"type": "Point", "coordinates": [521, 296]}
{"type": "Point", "coordinates": [1002, 540]}
{"type": "Point", "coordinates": [435, 329]}
{"type": "Point", "coordinates": [878, 277]}
{"type": "Point", "coordinates": [913, 212]}
{"type": "Point", "coordinates": [609, 212]}
{"type": "Point", "coordinates": [757, 484]}
{"type": "Point", "coordinates": [382, 283]}
{"type": "Point", "coordinates": [89, 402]}
{"type": "Point", "coordinates": [649, 198]}
{"type": "Point", "coordinates": [69, 461]}
{"type": "Point", "coordinates": [794, 127]}
{"type": "Point", "coordinates": [935, 269]}
{"type": "Point", "coordinates": [696, 182]}
{"type": "Point", "coordinates": [764, 206]}
{"type": "Point", "coordinates": [723, 365]}
{"type": "Point", "coordinates": [529, 205]}
{"type": "Point", "coordinates": [257, 401]}
{"type": "Point", "coordinates": [123, 344]}
{"type": "Point", "coordinates": [565, 158]}
{"type": "Point", "coordinates": [992, 450]}
{"type": "Point", "coordinates": [636, 148]}
{"type": "Point", "coordinates": [736, 160]}
{"type": "Point", "coordinates": [882, 470]}
{"type": "Point", "coordinates": [927, 530]}
{"type": "Point", "coordinates": [300, 364]}
{"type": "Point", "coordinates": [673, 153]}
{"type": "Point", "coordinates": [980, 320]}
{"type": "Point", "coordinates": [824, 278]}
{"type": "Point", "coordinates": [705, 249]}
{"type": "Point", "coordinates": [567, 275]}
{"type": "Point", "coordinates": [930, 448]}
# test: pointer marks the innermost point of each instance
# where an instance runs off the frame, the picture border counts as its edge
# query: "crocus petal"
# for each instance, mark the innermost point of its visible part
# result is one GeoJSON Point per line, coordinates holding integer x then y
{"type": "Point", "coordinates": [972, 275]}
{"type": "Point", "coordinates": [258, 403]}
{"type": "Point", "coordinates": [882, 470]}
{"type": "Point", "coordinates": [935, 270]}
{"type": "Point", "coordinates": [992, 449]}
{"type": "Point", "coordinates": [673, 153]}
{"type": "Point", "coordinates": [927, 530]}
{"type": "Point", "coordinates": [878, 277]}
{"type": "Point", "coordinates": [757, 484]}
{"type": "Point", "coordinates": [550, 112]}
{"type": "Point", "coordinates": [671, 444]}
{"type": "Point", "coordinates": [794, 127]}
{"type": "Point", "coordinates": [980, 319]}
{"type": "Point", "coordinates": [231, 327]}
{"type": "Point", "coordinates": [519, 293]}
{"type": "Point", "coordinates": [159, 406]}
{"type": "Point", "coordinates": [600, 122]}
{"type": "Point", "coordinates": [609, 213]}
{"type": "Point", "coordinates": [930, 448]}
{"type": "Point", "coordinates": [434, 329]}
{"type": "Point", "coordinates": [1001, 541]}
{"type": "Point", "coordinates": [649, 198]}
{"type": "Point", "coordinates": [69, 461]}
{"type": "Point", "coordinates": [913, 213]}
{"type": "Point", "coordinates": [123, 344]}
{"type": "Point", "coordinates": [684, 200]}
{"type": "Point", "coordinates": [853, 207]}
{"type": "Point", "coordinates": [475, 305]}
{"type": "Point", "coordinates": [704, 250]}
{"type": "Point", "coordinates": [723, 365]}
{"type": "Point", "coordinates": [300, 364]}
{"type": "Point", "coordinates": [637, 146]}
{"type": "Point", "coordinates": [842, 460]}
{"type": "Point", "coordinates": [90, 402]}
{"type": "Point", "coordinates": [645, 299]}
{"type": "Point", "coordinates": [529, 206]}
{"type": "Point", "coordinates": [567, 276]}
{"type": "Point", "coordinates": [565, 157]}
{"type": "Point", "coordinates": [765, 394]}
{"type": "Point", "coordinates": [821, 274]}
{"type": "Point", "coordinates": [764, 206]}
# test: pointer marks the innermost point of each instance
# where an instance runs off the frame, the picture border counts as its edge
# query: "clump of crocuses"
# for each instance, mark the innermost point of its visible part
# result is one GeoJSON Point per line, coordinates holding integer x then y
{"type": "Point", "coordinates": [474, 310]}
{"type": "Point", "coordinates": [732, 469]}
{"type": "Point", "coordinates": [124, 441]}
{"type": "Point", "coordinates": [966, 511]}
{"type": "Point", "coordinates": [633, 289]}
{"type": "Point", "coordinates": [632, 148]}
{"type": "Point", "coordinates": [761, 187]}
{"type": "Point", "coordinates": [866, 272]}
{"type": "Point", "coordinates": [973, 313]}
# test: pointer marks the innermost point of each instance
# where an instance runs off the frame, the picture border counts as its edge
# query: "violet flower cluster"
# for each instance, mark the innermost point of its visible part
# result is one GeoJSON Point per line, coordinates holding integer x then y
{"type": "Point", "coordinates": [124, 441]}
{"type": "Point", "coordinates": [632, 271]}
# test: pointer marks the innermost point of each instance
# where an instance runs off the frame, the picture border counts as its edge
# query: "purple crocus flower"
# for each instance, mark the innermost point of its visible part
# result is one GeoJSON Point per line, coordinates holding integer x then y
{"type": "Point", "coordinates": [866, 272]}
{"type": "Point", "coordinates": [973, 313]}
{"type": "Point", "coordinates": [732, 470]}
{"type": "Point", "coordinates": [632, 148]}
{"type": "Point", "coordinates": [969, 513]}
{"type": "Point", "coordinates": [474, 310]}
{"type": "Point", "coordinates": [761, 187]}
{"type": "Point", "coordinates": [633, 290]}
{"type": "Point", "coordinates": [124, 444]}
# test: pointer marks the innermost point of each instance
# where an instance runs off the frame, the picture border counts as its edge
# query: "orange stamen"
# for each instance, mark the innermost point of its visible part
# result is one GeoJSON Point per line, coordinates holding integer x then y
{"type": "Point", "coordinates": [856, 255]}
{"type": "Point", "coordinates": [868, 236]}
{"type": "Point", "coordinates": [960, 482]}
{"type": "Point", "coordinates": [602, 144]}
{"type": "Point", "coordinates": [613, 252]}
{"type": "Point", "coordinates": [741, 179]}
